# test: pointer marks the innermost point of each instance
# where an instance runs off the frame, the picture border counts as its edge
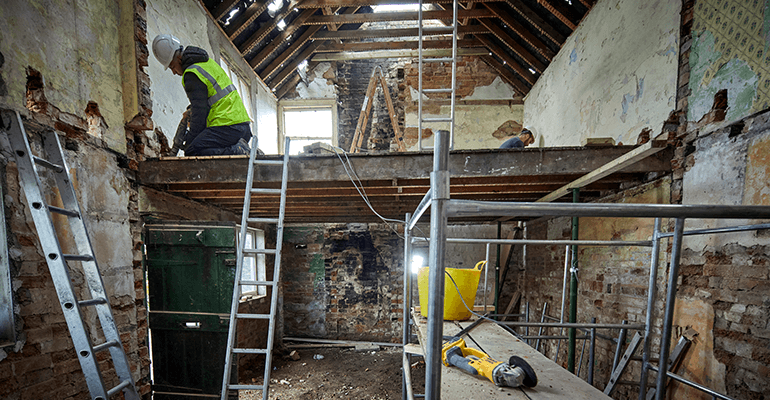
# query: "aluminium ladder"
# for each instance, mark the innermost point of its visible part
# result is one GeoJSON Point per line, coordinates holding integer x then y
{"type": "Point", "coordinates": [246, 252]}
{"type": "Point", "coordinates": [58, 262]}
{"type": "Point", "coordinates": [442, 30]}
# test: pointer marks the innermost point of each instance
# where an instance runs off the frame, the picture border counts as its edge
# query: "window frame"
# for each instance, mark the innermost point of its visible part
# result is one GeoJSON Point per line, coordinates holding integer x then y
{"type": "Point", "coordinates": [256, 264]}
{"type": "Point", "coordinates": [305, 105]}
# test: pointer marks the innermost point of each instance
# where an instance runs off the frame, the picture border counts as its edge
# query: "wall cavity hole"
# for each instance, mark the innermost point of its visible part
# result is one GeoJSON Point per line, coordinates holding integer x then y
{"type": "Point", "coordinates": [53, 256]}
{"type": "Point", "coordinates": [37, 205]}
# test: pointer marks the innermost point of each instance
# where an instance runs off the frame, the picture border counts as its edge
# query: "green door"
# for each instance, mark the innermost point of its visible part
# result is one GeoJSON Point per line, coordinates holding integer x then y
{"type": "Point", "coordinates": [190, 274]}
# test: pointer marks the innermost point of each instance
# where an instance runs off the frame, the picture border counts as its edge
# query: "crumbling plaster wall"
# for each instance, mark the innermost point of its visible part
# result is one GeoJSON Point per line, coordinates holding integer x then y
{"type": "Point", "coordinates": [614, 76]}
{"type": "Point", "coordinates": [189, 21]}
{"type": "Point", "coordinates": [78, 60]}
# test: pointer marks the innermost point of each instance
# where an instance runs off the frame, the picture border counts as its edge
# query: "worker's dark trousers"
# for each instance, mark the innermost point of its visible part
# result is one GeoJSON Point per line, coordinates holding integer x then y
{"type": "Point", "coordinates": [218, 140]}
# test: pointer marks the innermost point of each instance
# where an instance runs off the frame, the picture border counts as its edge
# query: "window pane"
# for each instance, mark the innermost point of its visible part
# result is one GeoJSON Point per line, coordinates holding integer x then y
{"type": "Point", "coordinates": [308, 123]}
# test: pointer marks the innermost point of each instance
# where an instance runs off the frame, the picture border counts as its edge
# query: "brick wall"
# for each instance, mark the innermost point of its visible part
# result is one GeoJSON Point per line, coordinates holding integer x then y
{"type": "Point", "coordinates": [342, 282]}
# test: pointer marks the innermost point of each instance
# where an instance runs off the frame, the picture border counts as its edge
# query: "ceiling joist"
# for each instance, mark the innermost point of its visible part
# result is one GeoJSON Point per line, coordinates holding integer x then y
{"type": "Point", "coordinates": [396, 16]}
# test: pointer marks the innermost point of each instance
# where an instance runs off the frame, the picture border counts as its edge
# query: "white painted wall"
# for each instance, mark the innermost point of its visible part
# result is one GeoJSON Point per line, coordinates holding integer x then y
{"type": "Point", "coordinates": [614, 76]}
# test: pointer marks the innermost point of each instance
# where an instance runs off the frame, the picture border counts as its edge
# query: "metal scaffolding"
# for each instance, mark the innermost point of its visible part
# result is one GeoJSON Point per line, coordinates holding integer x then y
{"type": "Point", "coordinates": [442, 208]}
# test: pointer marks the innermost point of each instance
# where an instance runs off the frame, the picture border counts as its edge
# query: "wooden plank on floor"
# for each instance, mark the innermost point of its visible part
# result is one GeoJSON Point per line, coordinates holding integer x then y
{"type": "Point", "coordinates": [554, 382]}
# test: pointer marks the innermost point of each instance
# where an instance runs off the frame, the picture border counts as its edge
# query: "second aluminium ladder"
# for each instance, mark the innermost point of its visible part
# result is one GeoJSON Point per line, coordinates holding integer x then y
{"type": "Point", "coordinates": [59, 263]}
{"type": "Point", "coordinates": [253, 252]}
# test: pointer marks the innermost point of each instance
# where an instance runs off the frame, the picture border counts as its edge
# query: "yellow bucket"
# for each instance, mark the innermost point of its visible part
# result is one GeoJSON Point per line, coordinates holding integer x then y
{"type": "Point", "coordinates": [467, 281]}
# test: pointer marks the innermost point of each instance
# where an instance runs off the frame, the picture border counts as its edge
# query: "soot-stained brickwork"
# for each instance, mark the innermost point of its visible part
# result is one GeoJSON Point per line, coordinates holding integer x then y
{"type": "Point", "coordinates": [343, 282]}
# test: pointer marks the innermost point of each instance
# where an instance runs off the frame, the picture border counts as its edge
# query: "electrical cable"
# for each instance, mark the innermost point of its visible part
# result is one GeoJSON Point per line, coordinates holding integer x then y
{"type": "Point", "coordinates": [506, 327]}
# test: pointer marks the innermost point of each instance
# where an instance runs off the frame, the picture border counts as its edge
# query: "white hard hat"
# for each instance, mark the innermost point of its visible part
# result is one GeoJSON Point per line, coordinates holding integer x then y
{"type": "Point", "coordinates": [164, 46]}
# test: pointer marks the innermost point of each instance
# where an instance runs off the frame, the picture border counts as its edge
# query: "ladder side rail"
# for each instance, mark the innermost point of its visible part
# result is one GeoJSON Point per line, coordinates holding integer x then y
{"type": "Point", "coordinates": [239, 267]}
{"type": "Point", "coordinates": [276, 270]}
{"type": "Point", "coordinates": [58, 268]}
{"type": "Point", "coordinates": [91, 269]}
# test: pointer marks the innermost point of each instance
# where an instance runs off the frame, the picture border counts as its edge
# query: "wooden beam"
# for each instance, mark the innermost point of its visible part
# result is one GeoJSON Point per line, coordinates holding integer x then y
{"type": "Point", "coordinates": [266, 51]}
{"type": "Point", "coordinates": [616, 165]}
{"type": "Point", "coordinates": [333, 47]}
{"type": "Point", "coordinates": [560, 10]}
{"type": "Point", "coordinates": [246, 18]}
{"type": "Point", "coordinates": [362, 3]}
{"type": "Point", "coordinates": [287, 86]}
{"type": "Point", "coordinates": [523, 73]}
{"type": "Point", "coordinates": [296, 45]}
{"type": "Point", "coordinates": [223, 8]}
{"type": "Point", "coordinates": [520, 30]}
{"type": "Point", "coordinates": [539, 23]}
{"type": "Point", "coordinates": [589, 4]}
{"type": "Point", "coordinates": [396, 16]}
{"type": "Point", "coordinates": [388, 33]}
{"type": "Point", "coordinates": [263, 31]}
{"type": "Point", "coordinates": [368, 55]}
{"type": "Point", "coordinates": [289, 68]}
{"type": "Point", "coordinates": [506, 74]}
{"type": "Point", "coordinates": [520, 50]}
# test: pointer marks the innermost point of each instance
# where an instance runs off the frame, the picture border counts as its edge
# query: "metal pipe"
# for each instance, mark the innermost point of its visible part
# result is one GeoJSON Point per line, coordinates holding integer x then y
{"type": "Point", "coordinates": [621, 243]}
{"type": "Point", "coordinates": [420, 210]}
{"type": "Point", "coordinates": [573, 290]}
{"type": "Point", "coordinates": [563, 298]}
{"type": "Point", "coordinates": [554, 337]}
{"type": "Point", "coordinates": [619, 349]}
{"type": "Point", "coordinates": [540, 331]}
{"type": "Point", "coordinates": [486, 275]}
{"type": "Point", "coordinates": [578, 325]}
{"type": "Point", "coordinates": [497, 267]}
{"type": "Point", "coordinates": [668, 319]}
{"type": "Point", "coordinates": [475, 208]}
{"type": "Point", "coordinates": [740, 228]}
{"type": "Point", "coordinates": [580, 362]}
{"type": "Point", "coordinates": [526, 319]}
{"type": "Point", "coordinates": [406, 382]}
{"type": "Point", "coordinates": [692, 384]}
{"type": "Point", "coordinates": [592, 354]}
{"type": "Point", "coordinates": [652, 287]}
{"type": "Point", "coordinates": [437, 252]}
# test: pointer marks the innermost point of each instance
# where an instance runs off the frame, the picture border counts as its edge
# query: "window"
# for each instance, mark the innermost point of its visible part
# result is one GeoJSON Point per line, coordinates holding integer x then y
{"type": "Point", "coordinates": [253, 268]}
{"type": "Point", "coordinates": [307, 122]}
{"type": "Point", "coordinates": [243, 88]}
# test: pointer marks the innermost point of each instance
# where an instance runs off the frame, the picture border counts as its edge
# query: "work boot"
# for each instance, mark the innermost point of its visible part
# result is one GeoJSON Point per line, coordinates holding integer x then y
{"type": "Point", "coordinates": [241, 148]}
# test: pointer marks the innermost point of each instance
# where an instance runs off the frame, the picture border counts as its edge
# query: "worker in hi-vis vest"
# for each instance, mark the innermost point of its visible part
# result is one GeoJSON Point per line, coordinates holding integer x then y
{"type": "Point", "coordinates": [218, 122]}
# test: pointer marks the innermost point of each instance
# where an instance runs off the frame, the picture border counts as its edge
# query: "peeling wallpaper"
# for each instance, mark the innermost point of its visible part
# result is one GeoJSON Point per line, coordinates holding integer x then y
{"type": "Point", "coordinates": [730, 51]}
{"type": "Point", "coordinates": [614, 76]}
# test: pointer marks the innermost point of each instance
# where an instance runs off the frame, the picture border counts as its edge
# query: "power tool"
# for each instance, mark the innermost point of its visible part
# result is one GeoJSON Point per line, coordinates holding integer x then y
{"type": "Point", "coordinates": [515, 373]}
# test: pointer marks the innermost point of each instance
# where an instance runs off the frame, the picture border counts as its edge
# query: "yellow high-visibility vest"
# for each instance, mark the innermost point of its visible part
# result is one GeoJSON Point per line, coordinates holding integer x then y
{"type": "Point", "coordinates": [225, 102]}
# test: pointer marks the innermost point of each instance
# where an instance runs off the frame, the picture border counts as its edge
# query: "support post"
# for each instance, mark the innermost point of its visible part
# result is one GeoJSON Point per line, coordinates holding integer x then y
{"type": "Point", "coordinates": [573, 289]}
{"type": "Point", "coordinates": [406, 304]}
{"type": "Point", "coordinates": [668, 319]}
{"type": "Point", "coordinates": [438, 220]}
{"type": "Point", "coordinates": [651, 295]}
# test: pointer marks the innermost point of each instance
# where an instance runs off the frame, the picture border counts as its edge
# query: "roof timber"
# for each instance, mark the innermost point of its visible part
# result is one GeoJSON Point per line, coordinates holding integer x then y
{"type": "Point", "coordinates": [246, 18]}
{"type": "Point", "coordinates": [389, 33]}
{"type": "Point", "coordinates": [396, 16]}
{"type": "Point", "coordinates": [361, 3]}
{"type": "Point", "coordinates": [520, 30]}
{"type": "Point", "coordinates": [320, 190]}
{"type": "Point", "coordinates": [377, 54]}
{"type": "Point", "coordinates": [506, 74]}
{"type": "Point", "coordinates": [278, 40]}
{"type": "Point", "coordinates": [331, 47]}
{"type": "Point", "coordinates": [518, 69]}
{"type": "Point", "coordinates": [538, 22]}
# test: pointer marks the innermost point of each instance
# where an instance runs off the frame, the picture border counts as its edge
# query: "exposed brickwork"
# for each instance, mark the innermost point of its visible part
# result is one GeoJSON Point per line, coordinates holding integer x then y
{"type": "Point", "coordinates": [343, 282]}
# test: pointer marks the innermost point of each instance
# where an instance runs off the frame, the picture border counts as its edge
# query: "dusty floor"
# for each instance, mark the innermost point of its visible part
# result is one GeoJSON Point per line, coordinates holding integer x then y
{"type": "Point", "coordinates": [342, 373]}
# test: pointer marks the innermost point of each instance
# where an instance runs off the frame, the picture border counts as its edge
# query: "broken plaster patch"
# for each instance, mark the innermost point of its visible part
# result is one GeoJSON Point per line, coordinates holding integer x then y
{"type": "Point", "coordinates": [318, 87]}
{"type": "Point", "coordinates": [497, 90]}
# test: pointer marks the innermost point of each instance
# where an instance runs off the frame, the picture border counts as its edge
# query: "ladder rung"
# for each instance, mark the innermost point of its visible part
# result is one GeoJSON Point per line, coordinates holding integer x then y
{"type": "Point", "coordinates": [438, 29]}
{"type": "Point", "coordinates": [437, 59]}
{"type": "Point", "coordinates": [437, 119]}
{"type": "Point", "coordinates": [118, 388]}
{"type": "Point", "coordinates": [251, 252]}
{"type": "Point", "coordinates": [250, 351]}
{"type": "Point", "coordinates": [253, 316]}
{"type": "Point", "coordinates": [77, 257]}
{"type": "Point", "coordinates": [449, 90]}
{"type": "Point", "coordinates": [47, 164]}
{"type": "Point", "coordinates": [92, 302]}
{"type": "Point", "coordinates": [105, 345]}
{"type": "Point", "coordinates": [257, 283]}
{"type": "Point", "coordinates": [268, 162]}
{"type": "Point", "coordinates": [246, 387]}
{"type": "Point", "coordinates": [265, 191]}
{"type": "Point", "coordinates": [63, 211]}
{"type": "Point", "coordinates": [263, 220]}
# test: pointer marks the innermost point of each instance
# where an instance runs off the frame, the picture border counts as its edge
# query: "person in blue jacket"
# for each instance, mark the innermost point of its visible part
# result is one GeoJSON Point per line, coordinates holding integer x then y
{"type": "Point", "coordinates": [524, 139]}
